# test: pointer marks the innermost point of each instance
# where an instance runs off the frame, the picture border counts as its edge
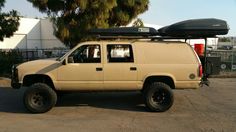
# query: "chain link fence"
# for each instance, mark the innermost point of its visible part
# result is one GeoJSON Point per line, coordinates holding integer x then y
{"type": "Point", "coordinates": [34, 54]}
{"type": "Point", "coordinates": [227, 59]}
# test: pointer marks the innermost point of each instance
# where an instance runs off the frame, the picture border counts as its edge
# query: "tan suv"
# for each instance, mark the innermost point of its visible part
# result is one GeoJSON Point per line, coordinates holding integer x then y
{"type": "Point", "coordinates": [153, 67]}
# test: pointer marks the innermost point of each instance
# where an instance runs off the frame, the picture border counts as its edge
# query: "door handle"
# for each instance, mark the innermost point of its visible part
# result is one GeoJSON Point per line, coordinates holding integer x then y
{"type": "Point", "coordinates": [133, 68]}
{"type": "Point", "coordinates": [98, 69]}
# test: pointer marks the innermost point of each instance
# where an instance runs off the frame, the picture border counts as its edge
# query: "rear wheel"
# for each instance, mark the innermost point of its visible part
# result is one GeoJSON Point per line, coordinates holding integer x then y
{"type": "Point", "coordinates": [39, 98]}
{"type": "Point", "coordinates": [158, 97]}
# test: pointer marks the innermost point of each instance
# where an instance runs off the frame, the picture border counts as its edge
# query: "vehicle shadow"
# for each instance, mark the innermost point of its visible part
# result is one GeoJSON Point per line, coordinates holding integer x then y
{"type": "Point", "coordinates": [130, 101]}
{"type": "Point", "coordinates": [11, 100]}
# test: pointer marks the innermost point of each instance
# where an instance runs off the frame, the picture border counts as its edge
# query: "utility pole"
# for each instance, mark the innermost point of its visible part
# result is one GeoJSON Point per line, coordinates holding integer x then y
{"type": "Point", "coordinates": [232, 61]}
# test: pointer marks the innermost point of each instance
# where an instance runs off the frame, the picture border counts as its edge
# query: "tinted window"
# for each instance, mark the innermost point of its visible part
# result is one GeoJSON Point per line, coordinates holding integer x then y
{"type": "Point", "coordinates": [86, 54]}
{"type": "Point", "coordinates": [120, 53]}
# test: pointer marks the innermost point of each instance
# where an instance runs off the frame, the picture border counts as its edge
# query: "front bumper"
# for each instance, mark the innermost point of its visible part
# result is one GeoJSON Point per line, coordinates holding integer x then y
{"type": "Point", "coordinates": [15, 85]}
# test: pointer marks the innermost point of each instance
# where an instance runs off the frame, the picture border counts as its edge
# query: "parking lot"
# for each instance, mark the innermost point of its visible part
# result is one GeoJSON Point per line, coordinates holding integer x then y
{"type": "Point", "coordinates": [207, 109]}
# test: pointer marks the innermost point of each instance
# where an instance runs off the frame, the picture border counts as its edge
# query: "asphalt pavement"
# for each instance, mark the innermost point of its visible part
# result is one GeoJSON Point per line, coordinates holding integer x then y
{"type": "Point", "coordinates": [207, 109]}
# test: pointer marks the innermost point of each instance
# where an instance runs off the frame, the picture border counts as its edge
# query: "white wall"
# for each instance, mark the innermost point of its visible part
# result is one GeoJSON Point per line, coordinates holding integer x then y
{"type": "Point", "coordinates": [27, 31]}
{"type": "Point", "coordinates": [17, 41]}
{"type": "Point", "coordinates": [47, 35]}
{"type": "Point", "coordinates": [32, 34]}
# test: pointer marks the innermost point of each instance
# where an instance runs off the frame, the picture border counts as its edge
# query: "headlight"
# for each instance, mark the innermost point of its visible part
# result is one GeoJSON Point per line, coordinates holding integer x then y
{"type": "Point", "coordinates": [14, 78]}
{"type": "Point", "coordinates": [13, 68]}
{"type": "Point", "coordinates": [14, 73]}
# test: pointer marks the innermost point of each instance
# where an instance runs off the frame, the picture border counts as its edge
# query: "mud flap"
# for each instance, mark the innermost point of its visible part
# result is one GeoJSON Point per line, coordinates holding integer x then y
{"type": "Point", "coordinates": [205, 81]}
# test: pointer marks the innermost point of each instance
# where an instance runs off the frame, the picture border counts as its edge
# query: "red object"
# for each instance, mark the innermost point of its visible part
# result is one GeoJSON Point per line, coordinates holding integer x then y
{"type": "Point", "coordinates": [199, 48]}
{"type": "Point", "coordinates": [200, 71]}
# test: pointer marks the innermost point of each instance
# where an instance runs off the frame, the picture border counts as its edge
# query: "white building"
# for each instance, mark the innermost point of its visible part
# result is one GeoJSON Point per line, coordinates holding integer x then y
{"type": "Point", "coordinates": [32, 34]}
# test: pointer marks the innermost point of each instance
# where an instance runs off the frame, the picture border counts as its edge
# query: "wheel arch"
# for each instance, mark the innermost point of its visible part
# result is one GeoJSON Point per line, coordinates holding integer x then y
{"type": "Point", "coordinates": [159, 78]}
{"type": "Point", "coordinates": [30, 79]}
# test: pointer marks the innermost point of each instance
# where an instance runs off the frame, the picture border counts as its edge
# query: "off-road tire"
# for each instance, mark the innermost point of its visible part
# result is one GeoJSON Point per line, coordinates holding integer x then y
{"type": "Point", "coordinates": [158, 97]}
{"type": "Point", "coordinates": [39, 98]}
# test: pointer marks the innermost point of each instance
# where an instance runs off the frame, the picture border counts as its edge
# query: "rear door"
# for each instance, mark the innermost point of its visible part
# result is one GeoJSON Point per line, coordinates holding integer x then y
{"type": "Point", "coordinates": [120, 71]}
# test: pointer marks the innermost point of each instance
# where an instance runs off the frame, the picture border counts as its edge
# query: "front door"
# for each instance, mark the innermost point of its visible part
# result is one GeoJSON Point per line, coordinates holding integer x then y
{"type": "Point", "coordinates": [84, 70]}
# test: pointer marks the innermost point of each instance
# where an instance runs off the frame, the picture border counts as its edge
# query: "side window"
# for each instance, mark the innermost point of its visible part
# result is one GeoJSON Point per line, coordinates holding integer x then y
{"type": "Point", "coordinates": [86, 54]}
{"type": "Point", "coordinates": [120, 53]}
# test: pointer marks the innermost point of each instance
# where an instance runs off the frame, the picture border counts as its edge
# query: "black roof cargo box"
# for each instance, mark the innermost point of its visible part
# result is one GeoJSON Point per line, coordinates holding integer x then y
{"type": "Point", "coordinates": [196, 28]}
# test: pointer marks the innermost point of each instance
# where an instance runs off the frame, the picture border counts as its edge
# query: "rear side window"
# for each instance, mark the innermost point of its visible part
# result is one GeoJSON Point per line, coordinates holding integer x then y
{"type": "Point", "coordinates": [120, 53]}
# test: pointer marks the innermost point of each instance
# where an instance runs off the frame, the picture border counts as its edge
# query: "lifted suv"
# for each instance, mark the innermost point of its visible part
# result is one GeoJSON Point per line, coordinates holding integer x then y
{"type": "Point", "coordinates": [148, 65]}
{"type": "Point", "coordinates": [155, 68]}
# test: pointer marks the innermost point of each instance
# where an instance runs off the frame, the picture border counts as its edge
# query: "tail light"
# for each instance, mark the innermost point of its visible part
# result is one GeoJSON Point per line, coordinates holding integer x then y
{"type": "Point", "coordinates": [200, 71]}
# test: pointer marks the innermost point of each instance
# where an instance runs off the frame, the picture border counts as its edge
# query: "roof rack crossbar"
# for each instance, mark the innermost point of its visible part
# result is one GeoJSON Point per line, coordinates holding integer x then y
{"type": "Point", "coordinates": [151, 37]}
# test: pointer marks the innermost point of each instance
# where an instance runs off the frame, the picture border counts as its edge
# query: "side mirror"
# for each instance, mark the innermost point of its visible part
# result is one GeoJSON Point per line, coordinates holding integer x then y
{"type": "Point", "coordinates": [70, 60]}
{"type": "Point", "coordinates": [64, 62]}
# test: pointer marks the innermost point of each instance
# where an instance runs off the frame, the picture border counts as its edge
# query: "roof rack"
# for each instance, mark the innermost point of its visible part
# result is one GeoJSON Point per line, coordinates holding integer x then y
{"type": "Point", "coordinates": [152, 38]}
{"type": "Point", "coordinates": [125, 32]}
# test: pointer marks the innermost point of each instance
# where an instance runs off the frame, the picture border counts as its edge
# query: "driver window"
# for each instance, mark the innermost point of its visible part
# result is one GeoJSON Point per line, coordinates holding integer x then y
{"type": "Point", "coordinates": [86, 54]}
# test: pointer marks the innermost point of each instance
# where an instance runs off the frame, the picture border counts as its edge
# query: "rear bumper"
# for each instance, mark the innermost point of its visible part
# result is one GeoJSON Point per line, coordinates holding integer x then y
{"type": "Point", "coordinates": [187, 84]}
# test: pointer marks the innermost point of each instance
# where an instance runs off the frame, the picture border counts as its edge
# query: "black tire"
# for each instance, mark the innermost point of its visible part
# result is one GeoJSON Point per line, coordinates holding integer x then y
{"type": "Point", "coordinates": [39, 98]}
{"type": "Point", "coordinates": [158, 97]}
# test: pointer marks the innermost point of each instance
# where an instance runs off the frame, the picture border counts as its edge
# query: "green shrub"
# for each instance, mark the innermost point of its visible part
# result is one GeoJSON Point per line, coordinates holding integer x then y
{"type": "Point", "coordinates": [7, 59]}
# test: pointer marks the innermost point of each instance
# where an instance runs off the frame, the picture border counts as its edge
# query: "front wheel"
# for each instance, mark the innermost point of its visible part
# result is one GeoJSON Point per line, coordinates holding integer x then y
{"type": "Point", "coordinates": [39, 98]}
{"type": "Point", "coordinates": [158, 97]}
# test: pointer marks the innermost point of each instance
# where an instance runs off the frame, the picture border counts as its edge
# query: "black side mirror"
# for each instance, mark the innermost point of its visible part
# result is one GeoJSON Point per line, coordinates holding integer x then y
{"type": "Point", "coordinates": [64, 62]}
{"type": "Point", "coordinates": [70, 60]}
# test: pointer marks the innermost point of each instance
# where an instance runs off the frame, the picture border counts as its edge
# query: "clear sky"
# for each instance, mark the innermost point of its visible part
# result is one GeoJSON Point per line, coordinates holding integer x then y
{"type": "Point", "coordinates": [161, 12]}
